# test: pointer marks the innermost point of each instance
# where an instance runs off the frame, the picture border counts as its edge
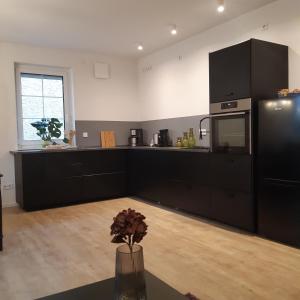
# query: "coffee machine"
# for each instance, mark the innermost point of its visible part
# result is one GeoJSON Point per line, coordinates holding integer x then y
{"type": "Point", "coordinates": [163, 138]}
{"type": "Point", "coordinates": [136, 137]}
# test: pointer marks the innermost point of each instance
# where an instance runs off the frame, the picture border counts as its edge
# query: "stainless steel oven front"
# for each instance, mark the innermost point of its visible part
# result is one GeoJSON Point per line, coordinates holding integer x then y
{"type": "Point", "coordinates": [231, 130]}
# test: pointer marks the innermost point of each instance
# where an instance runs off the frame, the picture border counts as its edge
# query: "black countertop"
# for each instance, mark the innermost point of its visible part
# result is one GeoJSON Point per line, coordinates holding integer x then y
{"type": "Point", "coordinates": [76, 149]}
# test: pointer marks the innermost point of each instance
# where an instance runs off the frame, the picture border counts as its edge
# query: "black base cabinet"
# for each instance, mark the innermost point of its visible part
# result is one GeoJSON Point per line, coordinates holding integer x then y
{"type": "Point", "coordinates": [231, 190]}
{"type": "Point", "coordinates": [215, 186]}
{"type": "Point", "coordinates": [175, 179]}
{"type": "Point", "coordinates": [46, 179]}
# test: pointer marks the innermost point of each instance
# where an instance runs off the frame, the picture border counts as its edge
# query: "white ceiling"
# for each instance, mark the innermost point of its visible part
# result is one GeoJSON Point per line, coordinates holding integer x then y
{"type": "Point", "coordinates": [112, 26]}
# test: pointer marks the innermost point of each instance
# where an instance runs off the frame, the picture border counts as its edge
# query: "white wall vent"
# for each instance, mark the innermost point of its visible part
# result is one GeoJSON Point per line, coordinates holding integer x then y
{"type": "Point", "coordinates": [102, 70]}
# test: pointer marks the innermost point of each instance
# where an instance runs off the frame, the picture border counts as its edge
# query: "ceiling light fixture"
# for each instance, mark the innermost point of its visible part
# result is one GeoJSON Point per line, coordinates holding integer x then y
{"type": "Point", "coordinates": [174, 30]}
{"type": "Point", "coordinates": [140, 47]}
{"type": "Point", "coordinates": [221, 6]}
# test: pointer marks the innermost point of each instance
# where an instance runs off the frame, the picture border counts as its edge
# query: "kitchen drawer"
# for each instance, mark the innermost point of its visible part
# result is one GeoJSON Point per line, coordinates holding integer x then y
{"type": "Point", "coordinates": [56, 192]}
{"type": "Point", "coordinates": [104, 186]}
{"type": "Point", "coordinates": [233, 208]}
{"type": "Point", "coordinates": [230, 171]}
{"type": "Point", "coordinates": [104, 161]}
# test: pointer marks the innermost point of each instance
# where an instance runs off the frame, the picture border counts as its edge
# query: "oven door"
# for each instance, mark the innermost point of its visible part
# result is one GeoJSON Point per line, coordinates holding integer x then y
{"type": "Point", "coordinates": [231, 133]}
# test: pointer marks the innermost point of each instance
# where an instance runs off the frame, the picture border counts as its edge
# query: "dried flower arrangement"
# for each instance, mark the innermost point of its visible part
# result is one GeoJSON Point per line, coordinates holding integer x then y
{"type": "Point", "coordinates": [128, 227]}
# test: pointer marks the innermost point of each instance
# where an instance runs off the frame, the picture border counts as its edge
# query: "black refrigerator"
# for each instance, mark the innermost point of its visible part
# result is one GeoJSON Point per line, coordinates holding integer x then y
{"type": "Point", "coordinates": [278, 170]}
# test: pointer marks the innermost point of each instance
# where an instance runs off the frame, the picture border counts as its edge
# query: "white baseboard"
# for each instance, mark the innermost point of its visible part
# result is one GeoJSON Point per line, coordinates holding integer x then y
{"type": "Point", "coordinates": [9, 204]}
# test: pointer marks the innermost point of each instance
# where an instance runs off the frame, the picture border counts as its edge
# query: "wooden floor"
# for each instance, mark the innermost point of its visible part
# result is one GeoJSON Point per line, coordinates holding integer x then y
{"type": "Point", "coordinates": [54, 250]}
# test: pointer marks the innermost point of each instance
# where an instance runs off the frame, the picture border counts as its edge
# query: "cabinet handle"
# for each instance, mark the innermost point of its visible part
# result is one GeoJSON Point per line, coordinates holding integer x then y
{"type": "Point", "coordinates": [230, 94]}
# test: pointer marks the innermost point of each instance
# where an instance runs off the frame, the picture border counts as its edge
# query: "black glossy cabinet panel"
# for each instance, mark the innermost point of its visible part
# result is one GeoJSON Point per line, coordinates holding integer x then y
{"type": "Point", "coordinates": [53, 179]}
{"type": "Point", "coordinates": [253, 69]}
{"type": "Point", "coordinates": [174, 179]}
{"type": "Point", "coordinates": [215, 186]}
{"type": "Point", "coordinates": [233, 208]}
{"type": "Point", "coordinates": [104, 186]}
{"type": "Point", "coordinates": [230, 73]}
{"type": "Point", "coordinates": [231, 171]}
{"type": "Point", "coordinates": [232, 191]}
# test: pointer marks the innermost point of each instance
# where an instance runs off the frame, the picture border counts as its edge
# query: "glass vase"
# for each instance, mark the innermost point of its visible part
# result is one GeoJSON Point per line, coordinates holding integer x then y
{"type": "Point", "coordinates": [130, 279]}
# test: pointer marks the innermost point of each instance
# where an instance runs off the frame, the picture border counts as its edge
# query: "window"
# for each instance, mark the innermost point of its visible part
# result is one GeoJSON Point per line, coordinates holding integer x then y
{"type": "Point", "coordinates": [41, 93]}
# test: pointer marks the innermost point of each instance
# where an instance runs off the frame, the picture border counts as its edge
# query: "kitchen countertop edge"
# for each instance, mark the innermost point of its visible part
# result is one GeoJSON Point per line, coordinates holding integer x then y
{"type": "Point", "coordinates": [80, 149]}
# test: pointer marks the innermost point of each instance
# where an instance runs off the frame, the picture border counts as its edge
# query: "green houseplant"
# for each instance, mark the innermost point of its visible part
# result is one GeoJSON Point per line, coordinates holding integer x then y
{"type": "Point", "coordinates": [48, 129]}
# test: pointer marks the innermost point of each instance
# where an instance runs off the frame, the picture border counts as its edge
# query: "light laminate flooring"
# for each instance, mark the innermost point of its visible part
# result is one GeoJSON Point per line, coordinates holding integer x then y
{"type": "Point", "coordinates": [58, 249]}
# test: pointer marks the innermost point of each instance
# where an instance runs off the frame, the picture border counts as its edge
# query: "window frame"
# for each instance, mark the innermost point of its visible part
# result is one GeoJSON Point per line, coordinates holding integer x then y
{"type": "Point", "coordinates": [69, 120]}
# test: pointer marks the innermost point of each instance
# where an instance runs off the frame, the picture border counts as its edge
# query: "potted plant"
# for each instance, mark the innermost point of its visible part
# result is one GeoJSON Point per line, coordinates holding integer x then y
{"type": "Point", "coordinates": [129, 229]}
{"type": "Point", "coordinates": [47, 130]}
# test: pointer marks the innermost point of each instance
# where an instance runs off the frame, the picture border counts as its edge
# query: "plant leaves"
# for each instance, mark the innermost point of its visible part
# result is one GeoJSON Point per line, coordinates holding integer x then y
{"type": "Point", "coordinates": [117, 239]}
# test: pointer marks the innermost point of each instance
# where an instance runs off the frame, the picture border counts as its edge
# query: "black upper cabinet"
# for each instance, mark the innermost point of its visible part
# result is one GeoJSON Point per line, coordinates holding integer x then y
{"type": "Point", "coordinates": [230, 71]}
{"type": "Point", "coordinates": [253, 69]}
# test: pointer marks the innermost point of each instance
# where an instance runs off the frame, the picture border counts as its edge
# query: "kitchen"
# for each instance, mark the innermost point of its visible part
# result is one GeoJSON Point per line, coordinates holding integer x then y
{"type": "Point", "coordinates": [236, 175]}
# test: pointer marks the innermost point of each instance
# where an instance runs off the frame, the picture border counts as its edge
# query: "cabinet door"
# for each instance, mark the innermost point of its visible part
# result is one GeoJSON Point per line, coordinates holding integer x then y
{"type": "Point", "coordinates": [231, 171]}
{"type": "Point", "coordinates": [230, 73]}
{"type": "Point", "coordinates": [146, 174]}
{"type": "Point", "coordinates": [103, 161]}
{"type": "Point", "coordinates": [233, 208]}
{"type": "Point", "coordinates": [96, 187]}
{"type": "Point", "coordinates": [192, 174]}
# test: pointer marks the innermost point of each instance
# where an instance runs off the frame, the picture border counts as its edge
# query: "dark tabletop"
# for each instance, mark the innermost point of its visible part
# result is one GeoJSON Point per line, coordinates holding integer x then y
{"type": "Point", "coordinates": [104, 290]}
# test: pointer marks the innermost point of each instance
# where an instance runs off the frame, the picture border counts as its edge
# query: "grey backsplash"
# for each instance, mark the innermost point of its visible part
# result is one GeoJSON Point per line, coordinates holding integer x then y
{"type": "Point", "coordinates": [176, 128]}
{"type": "Point", "coordinates": [93, 128]}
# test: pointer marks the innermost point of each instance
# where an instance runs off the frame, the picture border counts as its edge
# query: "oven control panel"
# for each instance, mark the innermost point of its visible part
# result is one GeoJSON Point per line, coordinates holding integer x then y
{"type": "Point", "coordinates": [229, 105]}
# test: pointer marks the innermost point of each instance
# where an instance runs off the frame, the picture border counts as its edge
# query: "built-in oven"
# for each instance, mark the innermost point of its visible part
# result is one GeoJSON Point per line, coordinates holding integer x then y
{"type": "Point", "coordinates": [231, 126]}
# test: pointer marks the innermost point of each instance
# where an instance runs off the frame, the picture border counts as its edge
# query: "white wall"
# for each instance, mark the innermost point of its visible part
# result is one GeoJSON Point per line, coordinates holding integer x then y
{"type": "Point", "coordinates": [95, 99]}
{"type": "Point", "coordinates": [176, 88]}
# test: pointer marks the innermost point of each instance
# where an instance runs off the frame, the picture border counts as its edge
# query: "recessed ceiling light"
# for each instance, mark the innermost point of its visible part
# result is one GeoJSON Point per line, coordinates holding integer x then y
{"type": "Point", "coordinates": [140, 47]}
{"type": "Point", "coordinates": [221, 6]}
{"type": "Point", "coordinates": [173, 30]}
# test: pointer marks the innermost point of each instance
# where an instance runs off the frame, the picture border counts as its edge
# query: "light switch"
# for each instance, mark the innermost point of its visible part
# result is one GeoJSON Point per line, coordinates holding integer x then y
{"type": "Point", "coordinates": [85, 134]}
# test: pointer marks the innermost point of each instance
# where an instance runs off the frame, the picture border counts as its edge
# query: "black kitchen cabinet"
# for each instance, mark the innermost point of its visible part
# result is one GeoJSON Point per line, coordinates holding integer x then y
{"type": "Point", "coordinates": [232, 190]}
{"type": "Point", "coordinates": [48, 179]}
{"type": "Point", "coordinates": [252, 69]}
{"type": "Point", "coordinates": [105, 185]}
{"type": "Point", "coordinates": [233, 208]}
{"type": "Point", "coordinates": [232, 171]}
{"type": "Point", "coordinates": [216, 186]}
{"type": "Point", "coordinates": [175, 179]}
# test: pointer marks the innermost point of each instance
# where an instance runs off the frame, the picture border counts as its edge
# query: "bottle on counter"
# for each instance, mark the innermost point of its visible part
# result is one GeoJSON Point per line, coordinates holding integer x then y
{"type": "Point", "coordinates": [191, 139]}
{"type": "Point", "coordinates": [179, 142]}
{"type": "Point", "coordinates": [185, 140]}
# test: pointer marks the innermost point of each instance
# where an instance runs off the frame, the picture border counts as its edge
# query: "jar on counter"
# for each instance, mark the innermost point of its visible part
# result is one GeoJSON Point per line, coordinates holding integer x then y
{"type": "Point", "coordinates": [179, 142]}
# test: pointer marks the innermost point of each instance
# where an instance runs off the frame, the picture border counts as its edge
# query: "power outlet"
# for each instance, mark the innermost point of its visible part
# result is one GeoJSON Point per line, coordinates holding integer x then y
{"type": "Point", "coordinates": [204, 132]}
{"type": "Point", "coordinates": [8, 187]}
{"type": "Point", "coordinates": [85, 134]}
